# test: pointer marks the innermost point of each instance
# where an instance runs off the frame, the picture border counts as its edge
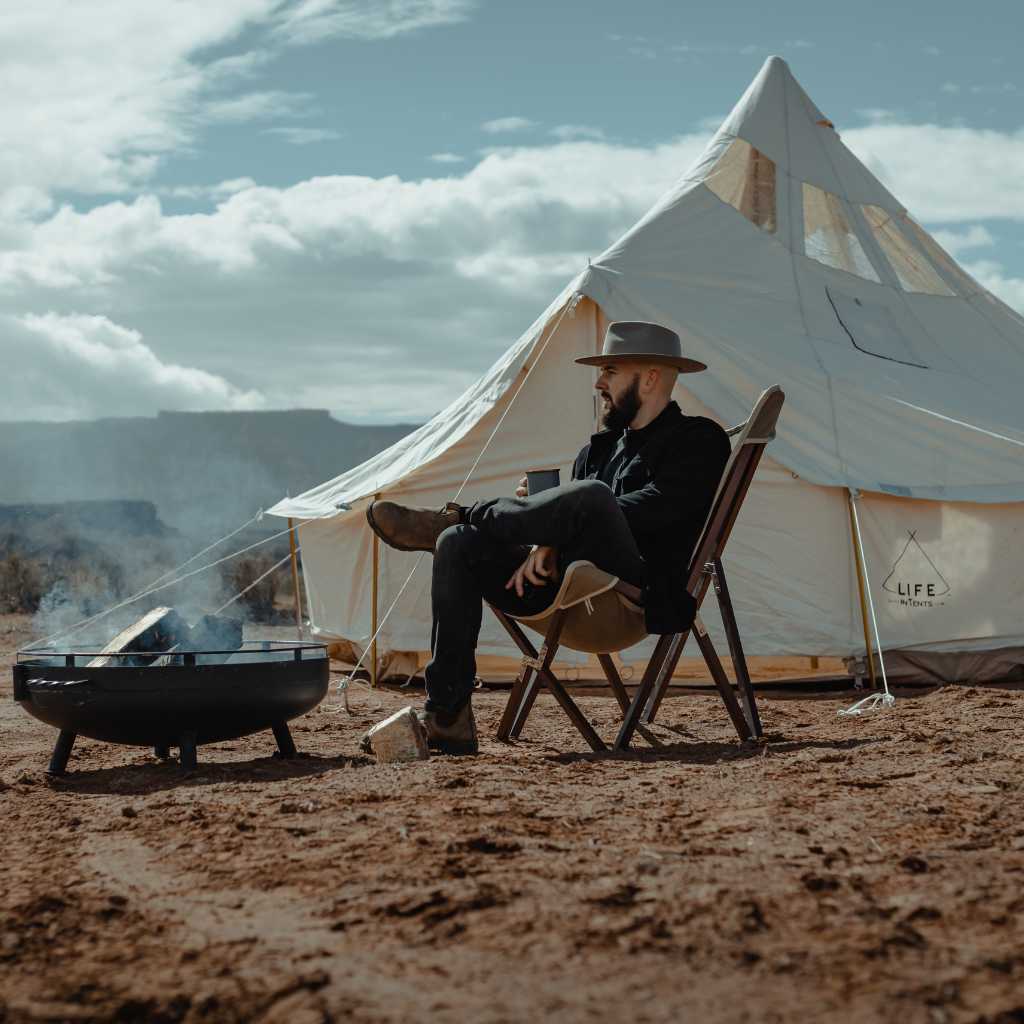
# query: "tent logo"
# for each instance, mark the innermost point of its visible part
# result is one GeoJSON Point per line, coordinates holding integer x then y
{"type": "Point", "coordinates": [914, 580]}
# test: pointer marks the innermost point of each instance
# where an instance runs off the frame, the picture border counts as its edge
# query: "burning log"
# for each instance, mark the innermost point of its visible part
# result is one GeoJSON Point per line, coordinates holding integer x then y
{"type": "Point", "coordinates": [157, 631]}
{"type": "Point", "coordinates": [216, 633]}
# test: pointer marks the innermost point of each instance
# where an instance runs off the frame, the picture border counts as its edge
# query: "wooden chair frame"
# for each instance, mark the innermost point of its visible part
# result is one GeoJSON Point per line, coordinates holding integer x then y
{"type": "Point", "coordinates": [705, 572]}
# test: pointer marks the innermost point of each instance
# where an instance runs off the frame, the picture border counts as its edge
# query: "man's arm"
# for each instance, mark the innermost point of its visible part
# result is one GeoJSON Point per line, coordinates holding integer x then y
{"type": "Point", "coordinates": [579, 467]}
{"type": "Point", "coordinates": [683, 477]}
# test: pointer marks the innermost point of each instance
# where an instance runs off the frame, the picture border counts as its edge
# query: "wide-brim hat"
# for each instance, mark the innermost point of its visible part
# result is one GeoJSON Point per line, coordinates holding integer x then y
{"type": "Point", "coordinates": [633, 341]}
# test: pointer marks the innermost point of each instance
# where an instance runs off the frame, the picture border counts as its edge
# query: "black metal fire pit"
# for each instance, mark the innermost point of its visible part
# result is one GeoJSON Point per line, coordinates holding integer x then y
{"type": "Point", "coordinates": [176, 700]}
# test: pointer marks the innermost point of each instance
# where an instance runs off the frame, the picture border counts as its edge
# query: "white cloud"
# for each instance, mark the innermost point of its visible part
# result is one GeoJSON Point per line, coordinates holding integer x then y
{"type": "Point", "coordinates": [946, 174]}
{"type": "Point", "coordinates": [994, 88]}
{"type": "Point", "coordinates": [300, 136]}
{"type": "Point", "coordinates": [254, 106]}
{"type": "Point", "coordinates": [75, 367]}
{"type": "Point", "coordinates": [566, 132]}
{"type": "Point", "coordinates": [95, 94]}
{"type": "Point", "coordinates": [313, 20]}
{"type": "Point", "coordinates": [993, 276]}
{"type": "Point", "coordinates": [396, 292]}
{"type": "Point", "coordinates": [933, 51]}
{"type": "Point", "coordinates": [711, 123]}
{"type": "Point", "coordinates": [221, 190]}
{"type": "Point", "coordinates": [950, 88]}
{"type": "Point", "coordinates": [503, 125]}
{"type": "Point", "coordinates": [447, 158]}
{"type": "Point", "coordinates": [877, 114]}
{"type": "Point", "coordinates": [977, 236]}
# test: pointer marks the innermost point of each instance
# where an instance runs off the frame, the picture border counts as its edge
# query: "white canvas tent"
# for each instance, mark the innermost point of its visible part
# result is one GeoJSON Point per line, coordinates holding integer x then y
{"type": "Point", "coordinates": [779, 259]}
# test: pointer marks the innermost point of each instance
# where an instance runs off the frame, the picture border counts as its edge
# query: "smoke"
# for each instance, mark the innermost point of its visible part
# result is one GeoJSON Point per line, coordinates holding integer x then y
{"type": "Point", "coordinates": [112, 506]}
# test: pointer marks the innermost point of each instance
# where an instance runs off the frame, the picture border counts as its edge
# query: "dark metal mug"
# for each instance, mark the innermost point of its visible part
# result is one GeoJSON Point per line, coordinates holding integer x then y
{"type": "Point", "coordinates": [538, 480]}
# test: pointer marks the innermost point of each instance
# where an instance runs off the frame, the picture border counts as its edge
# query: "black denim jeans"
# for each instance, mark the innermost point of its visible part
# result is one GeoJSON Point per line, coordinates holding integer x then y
{"type": "Point", "coordinates": [474, 560]}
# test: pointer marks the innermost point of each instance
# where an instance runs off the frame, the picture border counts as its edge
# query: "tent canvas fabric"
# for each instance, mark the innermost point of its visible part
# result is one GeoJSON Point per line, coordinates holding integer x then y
{"type": "Point", "coordinates": [779, 259]}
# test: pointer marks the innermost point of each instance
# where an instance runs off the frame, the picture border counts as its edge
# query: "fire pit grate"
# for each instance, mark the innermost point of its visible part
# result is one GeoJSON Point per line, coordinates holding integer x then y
{"type": "Point", "coordinates": [176, 699]}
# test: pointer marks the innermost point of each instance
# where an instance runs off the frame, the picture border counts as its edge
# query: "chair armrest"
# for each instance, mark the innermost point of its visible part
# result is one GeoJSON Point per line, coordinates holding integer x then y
{"type": "Point", "coordinates": [627, 590]}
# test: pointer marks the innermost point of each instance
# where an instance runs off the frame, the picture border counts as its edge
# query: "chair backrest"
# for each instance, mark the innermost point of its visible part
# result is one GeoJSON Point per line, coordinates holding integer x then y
{"type": "Point", "coordinates": [750, 439]}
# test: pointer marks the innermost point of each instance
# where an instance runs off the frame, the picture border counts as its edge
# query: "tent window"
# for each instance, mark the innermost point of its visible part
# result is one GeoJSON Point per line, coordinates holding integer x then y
{"type": "Point", "coordinates": [745, 179]}
{"type": "Point", "coordinates": [941, 259]}
{"type": "Point", "coordinates": [912, 268]}
{"type": "Point", "coordinates": [828, 236]}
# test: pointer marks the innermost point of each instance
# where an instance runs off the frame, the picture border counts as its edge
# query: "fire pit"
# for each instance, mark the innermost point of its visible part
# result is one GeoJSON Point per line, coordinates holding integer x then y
{"type": "Point", "coordinates": [174, 699]}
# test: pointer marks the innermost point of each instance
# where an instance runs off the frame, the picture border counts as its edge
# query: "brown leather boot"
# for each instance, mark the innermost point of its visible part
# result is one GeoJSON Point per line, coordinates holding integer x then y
{"type": "Point", "coordinates": [451, 734]}
{"type": "Point", "coordinates": [410, 529]}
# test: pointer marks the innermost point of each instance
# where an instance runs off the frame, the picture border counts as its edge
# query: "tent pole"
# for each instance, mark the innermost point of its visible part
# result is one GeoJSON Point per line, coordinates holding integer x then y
{"type": "Point", "coordinates": [858, 559]}
{"type": "Point", "coordinates": [374, 612]}
{"type": "Point", "coordinates": [295, 577]}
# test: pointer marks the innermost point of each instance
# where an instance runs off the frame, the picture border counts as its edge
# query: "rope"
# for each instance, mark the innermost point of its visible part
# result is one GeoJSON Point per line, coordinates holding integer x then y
{"type": "Point", "coordinates": [570, 306]}
{"type": "Point", "coordinates": [876, 701]}
{"type": "Point", "coordinates": [209, 547]}
{"type": "Point", "coordinates": [148, 591]}
{"type": "Point", "coordinates": [259, 579]}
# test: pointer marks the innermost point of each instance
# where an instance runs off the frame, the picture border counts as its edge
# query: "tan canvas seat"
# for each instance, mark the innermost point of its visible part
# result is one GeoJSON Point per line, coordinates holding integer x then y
{"type": "Point", "coordinates": [600, 618]}
{"type": "Point", "coordinates": [597, 613]}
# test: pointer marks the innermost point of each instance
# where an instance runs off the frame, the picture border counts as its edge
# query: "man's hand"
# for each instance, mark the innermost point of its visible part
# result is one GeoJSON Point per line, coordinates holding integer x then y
{"type": "Point", "coordinates": [540, 568]}
{"type": "Point", "coordinates": [523, 490]}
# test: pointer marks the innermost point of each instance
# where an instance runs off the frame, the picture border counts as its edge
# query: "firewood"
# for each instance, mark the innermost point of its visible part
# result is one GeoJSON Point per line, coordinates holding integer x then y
{"type": "Point", "coordinates": [157, 631]}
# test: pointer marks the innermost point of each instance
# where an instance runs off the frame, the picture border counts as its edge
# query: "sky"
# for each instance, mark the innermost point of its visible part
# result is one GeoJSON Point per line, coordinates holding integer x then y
{"type": "Point", "coordinates": [358, 205]}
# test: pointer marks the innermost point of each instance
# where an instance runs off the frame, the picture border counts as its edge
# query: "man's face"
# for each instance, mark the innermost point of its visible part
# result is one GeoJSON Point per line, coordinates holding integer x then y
{"type": "Point", "coordinates": [619, 388]}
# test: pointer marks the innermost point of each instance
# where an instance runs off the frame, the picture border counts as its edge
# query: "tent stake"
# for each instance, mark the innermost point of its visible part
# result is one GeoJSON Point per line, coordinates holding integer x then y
{"type": "Point", "coordinates": [374, 610]}
{"type": "Point", "coordinates": [858, 559]}
{"type": "Point", "coordinates": [295, 577]}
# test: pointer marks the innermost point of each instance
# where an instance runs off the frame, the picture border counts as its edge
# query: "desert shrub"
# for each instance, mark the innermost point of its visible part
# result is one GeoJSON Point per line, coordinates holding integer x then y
{"type": "Point", "coordinates": [259, 602]}
{"type": "Point", "coordinates": [21, 585]}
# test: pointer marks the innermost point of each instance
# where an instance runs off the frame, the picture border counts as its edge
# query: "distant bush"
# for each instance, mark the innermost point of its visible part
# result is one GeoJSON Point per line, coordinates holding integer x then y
{"type": "Point", "coordinates": [21, 585]}
{"type": "Point", "coordinates": [259, 602]}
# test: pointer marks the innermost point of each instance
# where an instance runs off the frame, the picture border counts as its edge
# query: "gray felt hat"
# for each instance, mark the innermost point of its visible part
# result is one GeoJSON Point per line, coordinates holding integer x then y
{"type": "Point", "coordinates": [636, 342]}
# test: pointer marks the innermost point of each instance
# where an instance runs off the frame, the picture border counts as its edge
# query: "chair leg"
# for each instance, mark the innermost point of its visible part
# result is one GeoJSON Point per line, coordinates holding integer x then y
{"type": "Point", "coordinates": [521, 699]}
{"type": "Point", "coordinates": [707, 648]}
{"type": "Point", "coordinates": [739, 660]}
{"type": "Point", "coordinates": [631, 718]}
{"type": "Point", "coordinates": [538, 664]}
{"type": "Point", "coordinates": [572, 709]}
{"type": "Point", "coordinates": [664, 678]}
{"type": "Point", "coordinates": [614, 681]}
{"type": "Point", "coordinates": [516, 708]}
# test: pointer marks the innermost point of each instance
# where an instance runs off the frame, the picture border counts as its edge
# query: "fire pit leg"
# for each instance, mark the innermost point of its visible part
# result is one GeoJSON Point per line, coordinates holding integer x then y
{"type": "Point", "coordinates": [285, 743]}
{"type": "Point", "coordinates": [187, 746]}
{"type": "Point", "coordinates": [163, 751]}
{"type": "Point", "coordinates": [61, 752]}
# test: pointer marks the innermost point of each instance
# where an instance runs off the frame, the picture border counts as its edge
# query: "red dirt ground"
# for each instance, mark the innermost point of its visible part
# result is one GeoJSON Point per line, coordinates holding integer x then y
{"type": "Point", "coordinates": [865, 870]}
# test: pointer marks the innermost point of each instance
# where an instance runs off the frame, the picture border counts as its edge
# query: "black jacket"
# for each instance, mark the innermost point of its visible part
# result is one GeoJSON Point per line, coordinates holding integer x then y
{"type": "Point", "coordinates": [665, 488]}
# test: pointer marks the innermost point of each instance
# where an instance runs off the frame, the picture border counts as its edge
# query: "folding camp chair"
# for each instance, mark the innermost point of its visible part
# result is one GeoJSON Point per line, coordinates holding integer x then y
{"type": "Point", "coordinates": [601, 614]}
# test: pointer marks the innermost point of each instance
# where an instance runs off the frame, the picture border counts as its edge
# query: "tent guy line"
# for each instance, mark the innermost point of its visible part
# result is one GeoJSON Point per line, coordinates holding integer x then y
{"type": "Point", "coordinates": [570, 308]}
{"type": "Point", "coordinates": [153, 588]}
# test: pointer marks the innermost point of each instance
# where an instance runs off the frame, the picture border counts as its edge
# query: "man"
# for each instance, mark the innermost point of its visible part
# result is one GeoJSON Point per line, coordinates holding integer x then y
{"type": "Point", "coordinates": [640, 493]}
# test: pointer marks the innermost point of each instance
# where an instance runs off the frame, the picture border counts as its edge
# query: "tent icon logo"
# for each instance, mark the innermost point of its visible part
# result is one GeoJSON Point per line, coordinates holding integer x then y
{"type": "Point", "coordinates": [914, 580]}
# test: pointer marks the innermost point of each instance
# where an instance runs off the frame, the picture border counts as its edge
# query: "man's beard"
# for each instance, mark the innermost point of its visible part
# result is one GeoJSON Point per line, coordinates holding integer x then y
{"type": "Point", "coordinates": [622, 412]}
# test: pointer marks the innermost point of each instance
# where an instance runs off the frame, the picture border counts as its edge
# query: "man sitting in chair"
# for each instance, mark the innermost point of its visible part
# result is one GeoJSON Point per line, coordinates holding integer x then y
{"type": "Point", "coordinates": [641, 490]}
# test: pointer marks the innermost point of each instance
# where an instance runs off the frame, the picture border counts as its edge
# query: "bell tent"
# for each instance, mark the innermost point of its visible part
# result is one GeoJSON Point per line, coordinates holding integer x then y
{"type": "Point", "coordinates": [779, 259]}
